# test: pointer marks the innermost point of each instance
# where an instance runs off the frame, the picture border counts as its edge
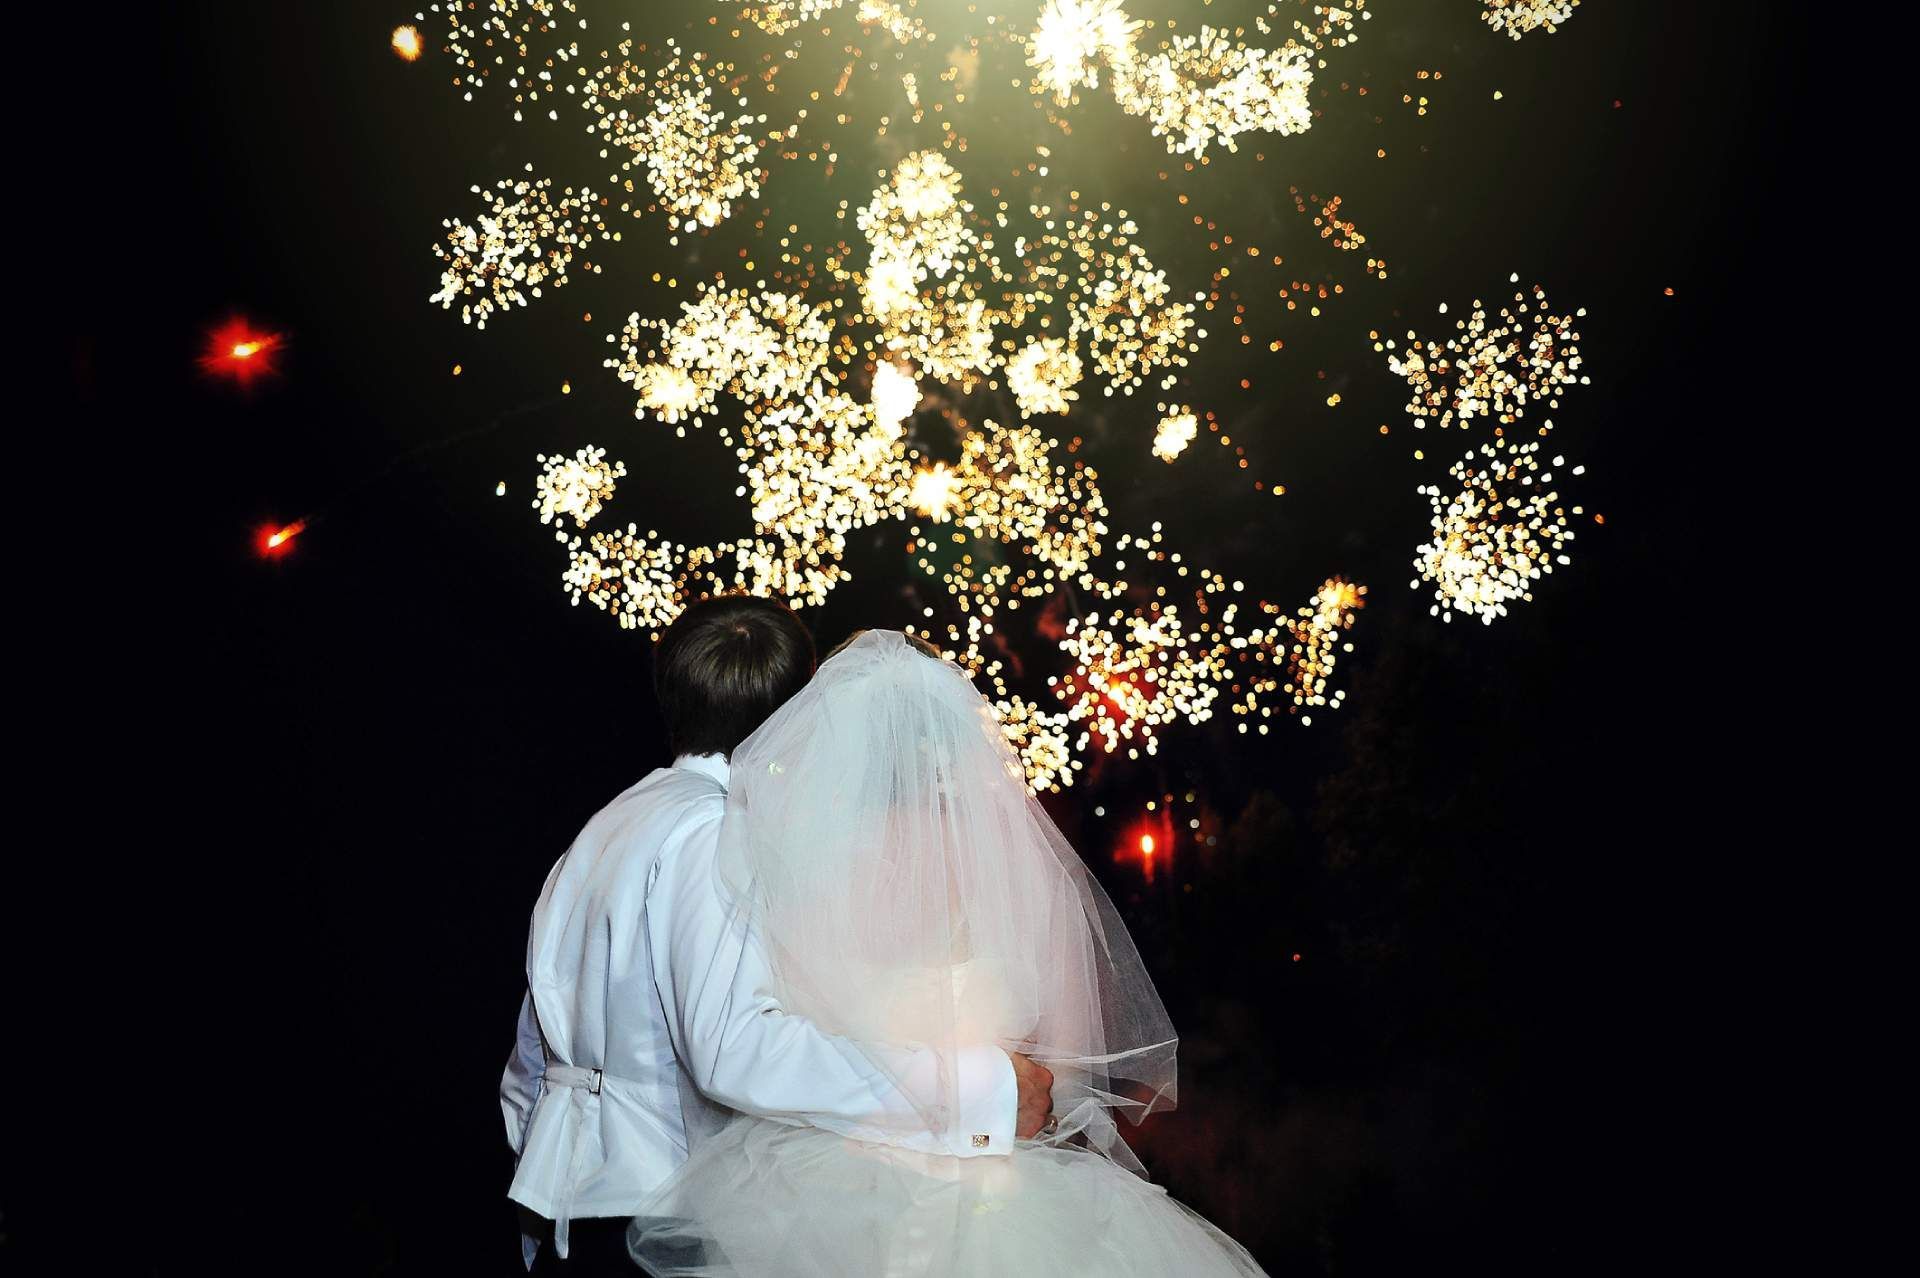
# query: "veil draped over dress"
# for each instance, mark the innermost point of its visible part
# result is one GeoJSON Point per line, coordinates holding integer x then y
{"type": "Point", "coordinates": [880, 840]}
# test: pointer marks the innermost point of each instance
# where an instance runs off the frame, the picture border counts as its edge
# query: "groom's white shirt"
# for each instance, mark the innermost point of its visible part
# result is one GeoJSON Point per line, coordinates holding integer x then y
{"type": "Point", "coordinates": [651, 1015]}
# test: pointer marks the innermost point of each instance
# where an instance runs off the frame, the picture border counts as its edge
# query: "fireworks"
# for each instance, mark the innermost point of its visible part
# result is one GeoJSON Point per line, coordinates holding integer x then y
{"type": "Point", "coordinates": [918, 220]}
{"type": "Point", "coordinates": [1491, 370]}
{"type": "Point", "coordinates": [699, 161]}
{"type": "Point", "coordinates": [523, 243]}
{"type": "Point", "coordinates": [777, 17]}
{"type": "Point", "coordinates": [1210, 88]}
{"type": "Point", "coordinates": [1132, 674]}
{"type": "Point", "coordinates": [1317, 642]}
{"type": "Point", "coordinates": [1073, 39]}
{"type": "Point", "coordinates": [894, 20]}
{"type": "Point", "coordinates": [482, 39]}
{"type": "Point", "coordinates": [645, 582]}
{"type": "Point", "coordinates": [1195, 91]}
{"type": "Point", "coordinates": [1501, 528]}
{"type": "Point", "coordinates": [1518, 17]}
{"type": "Point", "coordinates": [907, 360]}
{"type": "Point", "coordinates": [574, 486]}
{"type": "Point", "coordinates": [1039, 737]}
{"type": "Point", "coordinates": [1042, 376]}
{"type": "Point", "coordinates": [756, 346]}
{"type": "Point", "coordinates": [1176, 430]}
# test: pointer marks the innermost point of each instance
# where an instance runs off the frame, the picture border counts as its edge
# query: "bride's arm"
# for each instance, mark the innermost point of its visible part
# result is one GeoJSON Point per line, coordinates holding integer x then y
{"type": "Point", "coordinates": [748, 1053]}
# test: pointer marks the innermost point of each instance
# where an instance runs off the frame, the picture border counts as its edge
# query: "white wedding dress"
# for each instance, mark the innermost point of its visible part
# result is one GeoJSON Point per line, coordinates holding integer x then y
{"type": "Point", "coordinates": [909, 890]}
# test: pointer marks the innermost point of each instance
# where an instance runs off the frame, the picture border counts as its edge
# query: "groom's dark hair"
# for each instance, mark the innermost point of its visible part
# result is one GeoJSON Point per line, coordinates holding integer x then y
{"type": "Point", "coordinates": [723, 666]}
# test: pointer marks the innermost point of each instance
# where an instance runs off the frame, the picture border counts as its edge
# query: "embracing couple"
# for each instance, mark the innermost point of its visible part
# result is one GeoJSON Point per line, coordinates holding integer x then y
{"type": "Point", "coordinates": [831, 995]}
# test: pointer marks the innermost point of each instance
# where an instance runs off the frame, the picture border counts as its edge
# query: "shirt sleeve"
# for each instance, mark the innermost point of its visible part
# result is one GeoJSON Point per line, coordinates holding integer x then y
{"type": "Point", "coordinates": [520, 1084]}
{"type": "Point", "coordinates": [744, 1051]}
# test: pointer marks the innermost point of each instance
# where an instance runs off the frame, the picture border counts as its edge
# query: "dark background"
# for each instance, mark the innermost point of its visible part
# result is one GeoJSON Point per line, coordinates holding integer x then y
{"type": "Point", "coordinates": [355, 763]}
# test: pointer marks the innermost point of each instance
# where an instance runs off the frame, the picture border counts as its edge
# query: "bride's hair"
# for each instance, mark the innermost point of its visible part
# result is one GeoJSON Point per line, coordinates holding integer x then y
{"type": "Point", "coordinates": [723, 666]}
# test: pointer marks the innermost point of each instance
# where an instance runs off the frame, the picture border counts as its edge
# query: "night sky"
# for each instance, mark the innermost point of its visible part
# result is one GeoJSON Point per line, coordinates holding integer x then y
{"type": "Point", "coordinates": [359, 759]}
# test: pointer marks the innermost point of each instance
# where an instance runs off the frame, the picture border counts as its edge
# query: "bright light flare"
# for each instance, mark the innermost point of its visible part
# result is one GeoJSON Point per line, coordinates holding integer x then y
{"type": "Point", "coordinates": [406, 42]}
{"type": "Point", "coordinates": [935, 492]}
{"type": "Point", "coordinates": [237, 350]}
{"type": "Point", "coordinates": [275, 540]}
{"type": "Point", "coordinates": [1148, 843]}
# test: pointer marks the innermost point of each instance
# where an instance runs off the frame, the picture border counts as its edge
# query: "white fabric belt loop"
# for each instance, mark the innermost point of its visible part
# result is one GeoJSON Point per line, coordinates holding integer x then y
{"type": "Point", "coordinates": [587, 1080]}
{"type": "Point", "coordinates": [583, 1082]}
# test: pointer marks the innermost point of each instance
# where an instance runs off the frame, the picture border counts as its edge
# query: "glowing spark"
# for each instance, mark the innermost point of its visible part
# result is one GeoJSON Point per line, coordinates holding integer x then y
{"type": "Point", "coordinates": [895, 395]}
{"type": "Point", "coordinates": [935, 492]}
{"type": "Point", "coordinates": [236, 350]}
{"type": "Point", "coordinates": [275, 541]}
{"type": "Point", "coordinates": [1073, 38]}
{"type": "Point", "coordinates": [1175, 432]}
{"type": "Point", "coordinates": [669, 393]}
{"type": "Point", "coordinates": [406, 42]}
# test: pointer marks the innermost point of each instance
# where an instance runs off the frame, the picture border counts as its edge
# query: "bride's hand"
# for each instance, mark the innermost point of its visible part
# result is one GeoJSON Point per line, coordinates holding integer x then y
{"type": "Point", "coordinates": [1036, 1096]}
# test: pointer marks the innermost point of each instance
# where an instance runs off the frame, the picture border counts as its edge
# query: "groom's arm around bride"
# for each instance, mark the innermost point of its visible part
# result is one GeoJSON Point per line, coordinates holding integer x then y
{"type": "Point", "coordinates": [651, 1011]}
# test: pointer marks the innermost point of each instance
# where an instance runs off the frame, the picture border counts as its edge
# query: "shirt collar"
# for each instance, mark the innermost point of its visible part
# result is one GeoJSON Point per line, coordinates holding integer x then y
{"type": "Point", "coordinates": [707, 765]}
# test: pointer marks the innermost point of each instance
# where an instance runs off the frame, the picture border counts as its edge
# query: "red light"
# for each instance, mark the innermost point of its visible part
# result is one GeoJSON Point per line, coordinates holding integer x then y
{"type": "Point", "coordinates": [1146, 845]}
{"type": "Point", "coordinates": [237, 350]}
{"type": "Point", "coordinates": [274, 541]}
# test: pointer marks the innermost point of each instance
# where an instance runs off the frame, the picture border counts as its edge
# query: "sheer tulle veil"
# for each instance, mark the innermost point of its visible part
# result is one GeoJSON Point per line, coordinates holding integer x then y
{"type": "Point", "coordinates": [910, 894]}
{"type": "Point", "coordinates": [910, 890]}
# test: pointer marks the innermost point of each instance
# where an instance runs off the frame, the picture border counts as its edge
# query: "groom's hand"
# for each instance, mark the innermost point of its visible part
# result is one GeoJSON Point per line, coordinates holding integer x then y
{"type": "Point", "coordinates": [1036, 1096]}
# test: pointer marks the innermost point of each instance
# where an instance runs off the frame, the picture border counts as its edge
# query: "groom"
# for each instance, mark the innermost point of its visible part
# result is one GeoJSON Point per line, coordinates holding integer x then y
{"type": "Point", "coordinates": [651, 1012]}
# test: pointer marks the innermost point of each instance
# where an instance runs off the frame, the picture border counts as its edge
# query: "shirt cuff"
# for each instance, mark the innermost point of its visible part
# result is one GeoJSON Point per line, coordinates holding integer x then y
{"type": "Point", "coordinates": [989, 1102]}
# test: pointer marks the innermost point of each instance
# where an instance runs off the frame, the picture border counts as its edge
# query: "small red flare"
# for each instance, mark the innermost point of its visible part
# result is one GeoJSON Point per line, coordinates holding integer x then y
{"type": "Point", "coordinates": [239, 351]}
{"type": "Point", "coordinates": [274, 540]}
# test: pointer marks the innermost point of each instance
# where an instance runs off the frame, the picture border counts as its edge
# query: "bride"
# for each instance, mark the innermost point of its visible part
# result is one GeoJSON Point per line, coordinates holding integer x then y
{"type": "Point", "coordinates": [881, 841]}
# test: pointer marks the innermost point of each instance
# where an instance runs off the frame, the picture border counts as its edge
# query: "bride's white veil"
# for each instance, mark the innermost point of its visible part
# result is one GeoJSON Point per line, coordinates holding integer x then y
{"type": "Point", "coordinates": [910, 891]}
